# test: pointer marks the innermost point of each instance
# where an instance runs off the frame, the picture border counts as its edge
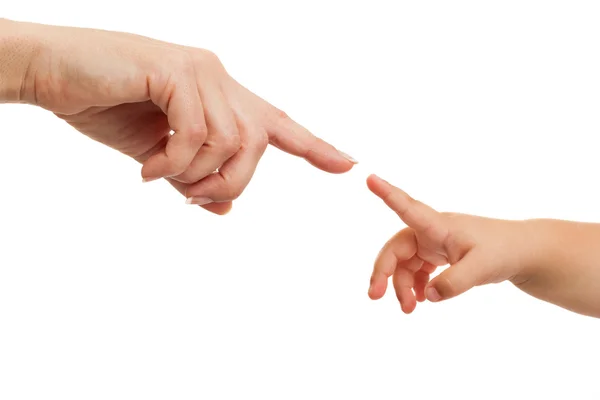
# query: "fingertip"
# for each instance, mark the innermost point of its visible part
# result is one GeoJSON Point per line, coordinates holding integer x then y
{"type": "Point", "coordinates": [377, 289]}
{"type": "Point", "coordinates": [156, 167]}
{"type": "Point", "coordinates": [175, 158]}
{"type": "Point", "coordinates": [373, 295]}
{"type": "Point", "coordinates": [376, 184]}
{"type": "Point", "coordinates": [329, 159]}
{"type": "Point", "coordinates": [408, 306]}
{"type": "Point", "coordinates": [432, 294]}
{"type": "Point", "coordinates": [407, 300]}
{"type": "Point", "coordinates": [219, 208]}
{"type": "Point", "coordinates": [370, 294]}
{"type": "Point", "coordinates": [149, 179]}
{"type": "Point", "coordinates": [333, 165]}
{"type": "Point", "coordinates": [420, 294]}
{"type": "Point", "coordinates": [348, 157]}
{"type": "Point", "coordinates": [371, 179]}
{"type": "Point", "coordinates": [149, 171]}
{"type": "Point", "coordinates": [216, 187]}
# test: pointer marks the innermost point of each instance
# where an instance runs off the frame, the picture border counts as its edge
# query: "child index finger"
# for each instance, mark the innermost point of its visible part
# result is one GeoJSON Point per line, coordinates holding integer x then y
{"type": "Point", "coordinates": [415, 214]}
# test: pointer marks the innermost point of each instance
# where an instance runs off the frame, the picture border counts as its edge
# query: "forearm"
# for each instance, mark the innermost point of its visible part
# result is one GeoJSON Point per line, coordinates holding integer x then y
{"type": "Point", "coordinates": [566, 267]}
{"type": "Point", "coordinates": [17, 49]}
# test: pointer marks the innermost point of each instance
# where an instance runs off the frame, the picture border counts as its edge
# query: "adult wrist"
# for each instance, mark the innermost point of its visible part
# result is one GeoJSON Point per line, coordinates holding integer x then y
{"type": "Point", "coordinates": [18, 47]}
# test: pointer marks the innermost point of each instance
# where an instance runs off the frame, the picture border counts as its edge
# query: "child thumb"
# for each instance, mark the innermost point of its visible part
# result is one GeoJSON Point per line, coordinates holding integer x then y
{"type": "Point", "coordinates": [456, 280]}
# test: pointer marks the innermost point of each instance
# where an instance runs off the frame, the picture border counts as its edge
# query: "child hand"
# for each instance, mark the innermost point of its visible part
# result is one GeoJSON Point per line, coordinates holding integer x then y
{"type": "Point", "coordinates": [479, 251]}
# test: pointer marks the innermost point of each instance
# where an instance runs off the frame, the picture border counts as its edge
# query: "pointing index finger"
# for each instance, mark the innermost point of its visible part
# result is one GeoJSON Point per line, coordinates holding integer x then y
{"type": "Point", "coordinates": [415, 214]}
{"type": "Point", "coordinates": [293, 138]}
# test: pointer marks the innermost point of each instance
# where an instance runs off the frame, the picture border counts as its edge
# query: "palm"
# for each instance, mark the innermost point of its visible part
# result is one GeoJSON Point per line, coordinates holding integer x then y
{"type": "Point", "coordinates": [137, 130]}
{"type": "Point", "coordinates": [414, 253]}
{"type": "Point", "coordinates": [431, 245]}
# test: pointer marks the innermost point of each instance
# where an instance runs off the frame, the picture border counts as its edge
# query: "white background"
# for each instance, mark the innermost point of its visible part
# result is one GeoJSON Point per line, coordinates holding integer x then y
{"type": "Point", "coordinates": [110, 288]}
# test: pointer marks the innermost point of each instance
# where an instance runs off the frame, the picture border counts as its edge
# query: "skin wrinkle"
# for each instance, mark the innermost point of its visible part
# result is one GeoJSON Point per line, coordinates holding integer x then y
{"type": "Point", "coordinates": [16, 55]}
{"type": "Point", "coordinates": [86, 76]}
{"type": "Point", "coordinates": [552, 260]}
{"type": "Point", "coordinates": [76, 70]}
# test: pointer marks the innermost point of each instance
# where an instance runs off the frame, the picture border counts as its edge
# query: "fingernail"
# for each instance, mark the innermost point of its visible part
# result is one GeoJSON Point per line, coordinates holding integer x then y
{"type": "Point", "coordinates": [432, 294]}
{"type": "Point", "coordinates": [348, 157]}
{"type": "Point", "coordinates": [198, 201]}
{"type": "Point", "coordinates": [381, 179]}
{"type": "Point", "coordinates": [145, 180]}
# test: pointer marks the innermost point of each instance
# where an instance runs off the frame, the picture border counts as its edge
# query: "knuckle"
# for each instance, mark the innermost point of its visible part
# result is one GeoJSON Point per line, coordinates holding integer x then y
{"type": "Point", "coordinates": [255, 140]}
{"type": "Point", "coordinates": [232, 192]}
{"type": "Point", "coordinates": [206, 59]}
{"type": "Point", "coordinates": [184, 63]}
{"type": "Point", "coordinates": [260, 141]}
{"type": "Point", "coordinates": [280, 114]}
{"type": "Point", "coordinates": [180, 64]}
{"type": "Point", "coordinates": [411, 200]}
{"type": "Point", "coordinates": [429, 230]}
{"type": "Point", "coordinates": [410, 205]}
{"type": "Point", "coordinates": [231, 143]}
{"type": "Point", "coordinates": [197, 134]}
{"type": "Point", "coordinates": [208, 56]}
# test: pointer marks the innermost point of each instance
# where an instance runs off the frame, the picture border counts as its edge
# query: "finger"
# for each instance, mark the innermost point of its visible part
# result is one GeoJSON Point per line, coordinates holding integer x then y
{"type": "Point", "coordinates": [219, 208]}
{"type": "Point", "coordinates": [223, 138]}
{"type": "Point", "coordinates": [232, 178]}
{"type": "Point", "coordinates": [421, 280]}
{"type": "Point", "coordinates": [216, 208]}
{"type": "Point", "coordinates": [415, 214]}
{"type": "Point", "coordinates": [183, 107]}
{"type": "Point", "coordinates": [428, 268]}
{"type": "Point", "coordinates": [404, 282]}
{"type": "Point", "coordinates": [400, 247]}
{"type": "Point", "coordinates": [457, 279]}
{"type": "Point", "coordinates": [291, 137]}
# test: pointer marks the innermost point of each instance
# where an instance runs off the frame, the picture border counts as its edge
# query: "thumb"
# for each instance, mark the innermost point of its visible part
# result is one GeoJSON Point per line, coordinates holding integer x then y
{"type": "Point", "coordinates": [457, 279]}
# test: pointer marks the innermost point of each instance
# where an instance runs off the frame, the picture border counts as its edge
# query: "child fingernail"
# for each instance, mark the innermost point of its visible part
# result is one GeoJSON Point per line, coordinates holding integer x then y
{"type": "Point", "coordinates": [433, 295]}
{"type": "Point", "coordinates": [348, 157]}
{"type": "Point", "coordinates": [145, 180]}
{"type": "Point", "coordinates": [198, 201]}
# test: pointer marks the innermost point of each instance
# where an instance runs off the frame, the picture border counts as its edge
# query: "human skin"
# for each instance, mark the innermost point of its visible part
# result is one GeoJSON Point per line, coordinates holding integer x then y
{"type": "Point", "coordinates": [555, 261]}
{"type": "Point", "coordinates": [129, 92]}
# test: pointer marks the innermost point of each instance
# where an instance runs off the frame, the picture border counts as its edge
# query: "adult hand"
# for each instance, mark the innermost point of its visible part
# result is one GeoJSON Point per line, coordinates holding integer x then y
{"type": "Point", "coordinates": [130, 92]}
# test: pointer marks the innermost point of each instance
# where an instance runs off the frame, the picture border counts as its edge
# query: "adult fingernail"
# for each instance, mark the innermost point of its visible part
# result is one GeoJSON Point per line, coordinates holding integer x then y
{"type": "Point", "coordinates": [348, 157]}
{"type": "Point", "coordinates": [432, 294]}
{"type": "Point", "coordinates": [145, 180]}
{"type": "Point", "coordinates": [198, 201]}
